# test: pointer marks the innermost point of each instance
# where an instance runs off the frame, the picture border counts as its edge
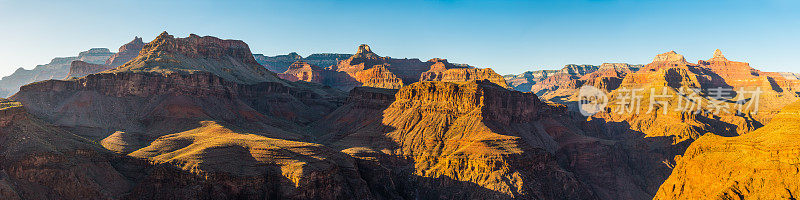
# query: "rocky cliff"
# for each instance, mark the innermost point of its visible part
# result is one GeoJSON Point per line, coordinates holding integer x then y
{"type": "Point", "coordinates": [369, 69]}
{"type": "Point", "coordinates": [179, 123]}
{"type": "Point", "coordinates": [229, 59]}
{"type": "Point", "coordinates": [303, 71]}
{"type": "Point", "coordinates": [281, 63]}
{"type": "Point", "coordinates": [441, 70]}
{"type": "Point", "coordinates": [126, 52]}
{"type": "Point", "coordinates": [758, 165]}
{"type": "Point", "coordinates": [523, 82]}
{"type": "Point", "coordinates": [563, 76]}
{"type": "Point", "coordinates": [58, 68]}
{"type": "Point", "coordinates": [41, 161]}
{"type": "Point", "coordinates": [80, 69]}
{"type": "Point", "coordinates": [455, 140]}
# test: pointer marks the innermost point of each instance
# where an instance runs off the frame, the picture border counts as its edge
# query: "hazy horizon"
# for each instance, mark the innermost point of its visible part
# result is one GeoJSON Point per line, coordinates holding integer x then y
{"type": "Point", "coordinates": [509, 36]}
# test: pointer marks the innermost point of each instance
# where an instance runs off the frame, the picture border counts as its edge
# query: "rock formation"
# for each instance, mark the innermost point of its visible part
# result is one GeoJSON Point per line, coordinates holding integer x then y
{"type": "Point", "coordinates": [302, 71]}
{"type": "Point", "coordinates": [565, 75]}
{"type": "Point", "coordinates": [228, 59]}
{"type": "Point", "coordinates": [211, 93]}
{"type": "Point", "coordinates": [441, 70]}
{"type": "Point", "coordinates": [790, 75]}
{"type": "Point", "coordinates": [446, 133]}
{"type": "Point", "coordinates": [758, 165]}
{"type": "Point", "coordinates": [281, 63]}
{"type": "Point", "coordinates": [58, 68]}
{"type": "Point", "coordinates": [369, 69]}
{"type": "Point", "coordinates": [523, 82]}
{"type": "Point", "coordinates": [126, 52]}
{"type": "Point", "coordinates": [670, 57]}
{"type": "Point", "coordinates": [80, 69]}
{"type": "Point", "coordinates": [277, 64]}
{"type": "Point", "coordinates": [201, 118]}
{"type": "Point", "coordinates": [41, 161]}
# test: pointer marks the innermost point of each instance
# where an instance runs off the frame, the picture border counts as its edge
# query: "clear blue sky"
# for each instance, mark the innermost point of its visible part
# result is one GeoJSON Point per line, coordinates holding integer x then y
{"type": "Point", "coordinates": [508, 36]}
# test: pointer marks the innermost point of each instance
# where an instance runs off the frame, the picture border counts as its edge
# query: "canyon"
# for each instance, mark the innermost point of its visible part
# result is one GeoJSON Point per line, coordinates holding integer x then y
{"type": "Point", "coordinates": [204, 118]}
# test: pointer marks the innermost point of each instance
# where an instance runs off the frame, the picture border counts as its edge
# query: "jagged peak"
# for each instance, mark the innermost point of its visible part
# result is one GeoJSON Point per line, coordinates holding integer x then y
{"type": "Point", "coordinates": [718, 56]}
{"type": "Point", "coordinates": [163, 35]}
{"type": "Point", "coordinates": [670, 56]}
{"type": "Point", "coordinates": [135, 44]}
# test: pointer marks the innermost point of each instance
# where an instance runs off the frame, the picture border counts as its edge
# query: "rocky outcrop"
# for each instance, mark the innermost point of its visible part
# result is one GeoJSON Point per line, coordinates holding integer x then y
{"type": "Point", "coordinates": [41, 161]}
{"type": "Point", "coordinates": [523, 82]}
{"type": "Point", "coordinates": [80, 69]}
{"type": "Point", "coordinates": [441, 70]}
{"type": "Point", "coordinates": [126, 52]}
{"type": "Point", "coordinates": [303, 71]}
{"type": "Point", "coordinates": [58, 68]}
{"type": "Point", "coordinates": [229, 59]}
{"type": "Point", "coordinates": [459, 140]}
{"type": "Point", "coordinates": [369, 69]}
{"type": "Point", "coordinates": [95, 55]}
{"type": "Point", "coordinates": [563, 76]}
{"type": "Point", "coordinates": [758, 165]}
{"type": "Point", "coordinates": [157, 112]}
{"type": "Point", "coordinates": [669, 57]}
{"type": "Point", "coordinates": [281, 63]}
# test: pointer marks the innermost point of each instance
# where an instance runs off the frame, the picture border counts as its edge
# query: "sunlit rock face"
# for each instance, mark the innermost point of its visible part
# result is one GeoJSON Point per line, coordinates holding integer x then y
{"type": "Point", "coordinates": [369, 69]}
{"type": "Point", "coordinates": [759, 165]}
{"type": "Point", "coordinates": [209, 97]}
{"type": "Point", "coordinates": [476, 133]}
{"type": "Point", "coordinates": [201, 118]}
{"type": "Point", "coordinates": [281, 63]}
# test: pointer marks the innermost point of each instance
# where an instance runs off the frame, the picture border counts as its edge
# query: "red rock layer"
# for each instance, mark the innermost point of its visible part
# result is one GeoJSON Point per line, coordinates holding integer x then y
{"type": "Point", "coordinates": [758, 165]}
{"type": "Point", "coordinates": [563, 77]}
{"type": "Point", "coordinates": [372, 70]}
{"type": "Point", "coordinates": [441, 70]}
{"type": "Point", "coordinates": [229, 59]}
{"type": "Point", "coordinates": [302, 71]}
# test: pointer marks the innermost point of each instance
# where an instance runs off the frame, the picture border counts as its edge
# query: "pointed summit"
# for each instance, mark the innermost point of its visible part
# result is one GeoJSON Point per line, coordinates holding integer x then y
{"type": "Point", "coordinates": [670, 56]}
{"type": "Point", "coordinates": [126, 52]}
{"type": "Point", "coordinates": [718, 56]}
{"type": "Point", "coordinates": [163, 34]}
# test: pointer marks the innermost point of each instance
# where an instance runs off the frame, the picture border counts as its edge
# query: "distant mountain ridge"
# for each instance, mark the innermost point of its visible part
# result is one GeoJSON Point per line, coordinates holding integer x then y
{"type": "Point", "coordinates": [200, 117]}
{"type": "Point", "coordinates": [126, 53]}
{"type": "Point", "coordinates": [281, 63]}
{"type": "Point", "coordinates": [58, 68]}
